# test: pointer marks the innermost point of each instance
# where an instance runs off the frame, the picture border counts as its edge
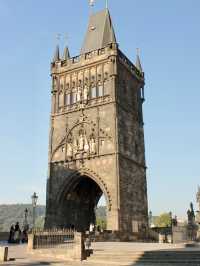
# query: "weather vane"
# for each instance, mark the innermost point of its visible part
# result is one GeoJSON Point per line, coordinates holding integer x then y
{"type": "Point", "coordinates": [91, 2]}
{"type": "Point", "coordinates": [58, 35]}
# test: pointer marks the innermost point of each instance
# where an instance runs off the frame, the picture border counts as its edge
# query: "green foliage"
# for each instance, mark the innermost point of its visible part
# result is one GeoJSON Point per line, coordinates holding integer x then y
{"type": "Point", "coordinates": [164, 220]}
{"type": "Point", "coordinates": [39, 223]}
{"type": "Point", "coordinates": [10, 214]}
{"type": "Point", "coordinates": [101, 223]}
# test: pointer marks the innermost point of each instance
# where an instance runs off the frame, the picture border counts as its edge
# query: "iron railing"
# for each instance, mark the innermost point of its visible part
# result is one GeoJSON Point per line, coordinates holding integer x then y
{"type": "Point", "coordinates": [53, 238]}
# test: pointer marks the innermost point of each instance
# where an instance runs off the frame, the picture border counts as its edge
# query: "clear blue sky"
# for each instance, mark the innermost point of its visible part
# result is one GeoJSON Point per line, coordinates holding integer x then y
{"type": "Point", "coordinates": [168, 34]}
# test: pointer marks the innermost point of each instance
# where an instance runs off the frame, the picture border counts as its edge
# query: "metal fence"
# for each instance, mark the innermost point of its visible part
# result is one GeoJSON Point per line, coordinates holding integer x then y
{"type": "Point", "coordinates": [53, 239]}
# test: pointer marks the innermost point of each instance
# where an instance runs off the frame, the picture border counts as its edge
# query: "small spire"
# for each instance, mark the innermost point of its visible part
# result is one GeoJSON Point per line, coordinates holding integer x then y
{"type": "Point", "coordinates": [138, 62]}
{"type": "Point", "coordinates": [66, 54]}
{"type": "Point", "coordinates": [56, 54]}
{"type": "Point", "coordinates": [106, 4]}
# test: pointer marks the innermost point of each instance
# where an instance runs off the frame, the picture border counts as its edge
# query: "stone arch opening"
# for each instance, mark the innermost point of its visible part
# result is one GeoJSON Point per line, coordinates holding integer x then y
{"type": "Point", "coordinates": [78, 202]}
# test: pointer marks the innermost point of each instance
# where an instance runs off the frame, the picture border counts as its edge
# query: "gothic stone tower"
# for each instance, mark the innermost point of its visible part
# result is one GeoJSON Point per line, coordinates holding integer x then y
{"type": "Point", "coordinates": [96, 136]}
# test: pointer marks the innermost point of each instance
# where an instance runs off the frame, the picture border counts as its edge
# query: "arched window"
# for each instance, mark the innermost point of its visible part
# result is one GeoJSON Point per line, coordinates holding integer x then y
{"type": "Point", "coordinates": [67, 99]}
{"type": "Point", "coordinates": [93, 92]}
{"type": "Point", "coordinates": [60, 100]}
{"type": "Point", "coordinates": [73, 97]}
{"type": "Point", "coordinates": [100, 90]}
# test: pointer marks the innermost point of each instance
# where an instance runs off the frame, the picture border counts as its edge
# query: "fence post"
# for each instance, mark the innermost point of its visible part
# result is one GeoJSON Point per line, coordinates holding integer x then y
{"type": "Point", "coordinates": [31, 242]}
{"type": "Point", "coordinates": [79, 248]}
{"type": "Point", "coordinates": [3, 254]}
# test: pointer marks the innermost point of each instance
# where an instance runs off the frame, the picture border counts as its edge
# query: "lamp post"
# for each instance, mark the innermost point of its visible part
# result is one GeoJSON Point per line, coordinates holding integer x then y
{"type": "Point", "coordinates": [34, 198]}
{"type": "Point", "coordinates": [26, 226]}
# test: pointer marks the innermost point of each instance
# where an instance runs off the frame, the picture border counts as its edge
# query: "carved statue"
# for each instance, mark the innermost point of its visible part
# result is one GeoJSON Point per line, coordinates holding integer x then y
{"type": "Point", "coordinates": [86, 145]}
{"type": "Point", "coordinates": [69, 150]}
{"type": "Point", "coordinates": [92, 146]}
{"type": "Point", "coordinates": [78, 95]}
{"type": "Point", "coordinates": [81, 142]}
{"type": "Point", "coordinates": [198, 197]}
{"type": "Point", "coordinates": [85, 93]}
{"type": "Point", "coordinates": [75, 146]}
{"type": "Point", "coordinates": [191, 215]}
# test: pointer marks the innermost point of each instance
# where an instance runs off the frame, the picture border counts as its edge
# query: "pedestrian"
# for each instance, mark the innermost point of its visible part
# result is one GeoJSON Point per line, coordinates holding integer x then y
{"type": "Point", "coordinates": [17, 233]}
{"type": "Point", "coordinates": [11, 234]}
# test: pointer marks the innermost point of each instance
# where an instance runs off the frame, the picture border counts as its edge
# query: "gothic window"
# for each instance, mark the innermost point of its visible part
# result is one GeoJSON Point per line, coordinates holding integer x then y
{"type": "Point", "coordinates": [67, 86]}
{"type": "Point", "coordinates": [60, 99]}
{"type": "Point", "coordinates": [100, 90]}
{"type": "Point", "coordinates": [67, 99]}
{"type": "Point", "coordinates": [73, 98]}
{"type": "Point", "coordinates": [61, 87]}
{"type": "Point", "coordinates": [93, 92]}
{"type": "Point", "coordinates": [106, 75]}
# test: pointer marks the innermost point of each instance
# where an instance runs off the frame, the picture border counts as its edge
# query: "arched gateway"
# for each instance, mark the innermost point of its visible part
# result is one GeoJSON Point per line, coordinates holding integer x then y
{"type": "Point", "coordinates": [78, 200]}
{"type": "Point", "coordinates": [96, 137]}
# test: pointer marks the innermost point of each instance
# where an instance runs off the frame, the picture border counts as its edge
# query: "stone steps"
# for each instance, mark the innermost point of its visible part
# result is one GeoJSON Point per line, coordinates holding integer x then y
{"type": "Point", "coordinates": [149, 257]}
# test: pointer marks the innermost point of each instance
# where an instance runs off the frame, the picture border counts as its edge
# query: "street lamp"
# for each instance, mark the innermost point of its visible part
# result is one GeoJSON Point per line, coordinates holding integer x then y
{"type": "Point", "coordinates": [26, 226]}
{"type": "Point", "coordinates": [34, 198]}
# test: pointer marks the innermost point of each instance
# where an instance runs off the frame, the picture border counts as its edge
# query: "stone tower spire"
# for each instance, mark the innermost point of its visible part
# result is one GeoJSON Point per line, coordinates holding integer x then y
{"type": "Point", "coordinates": [138, 62]}
{"type": "Point", "coordinates": [66, 54]}
{"type": "Point", "coordinates": [56, 54]}
{"type": "Point", "coordinates": [100, 32]}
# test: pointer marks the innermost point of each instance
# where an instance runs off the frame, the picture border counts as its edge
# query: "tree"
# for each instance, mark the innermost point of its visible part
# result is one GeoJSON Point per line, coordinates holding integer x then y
{"type": "Point", "coordinates": [39, 223]}
{"type": "Point", "coordinates": [101, 223]}
{"type": "Point", "coordinates": [164, 220]}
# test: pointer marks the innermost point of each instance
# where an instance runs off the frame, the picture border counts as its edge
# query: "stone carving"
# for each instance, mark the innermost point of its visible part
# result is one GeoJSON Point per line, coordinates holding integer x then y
{"type": "Point", "coordinates": [191, 215]}
{"type": "Point", "coordinates": [81, 141]}
{"type": "Point", "coordinates": [69, 150]}
{"type": "Point", "coordinates": [78, 95]}
{"type": "Point", "coordinates": [92, 145]}
{"type": "Point", "coordinates": [85, 93]}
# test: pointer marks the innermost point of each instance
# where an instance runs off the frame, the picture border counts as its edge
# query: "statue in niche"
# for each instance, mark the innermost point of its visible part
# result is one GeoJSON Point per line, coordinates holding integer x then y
{"type": "Point", "coordinates": [81, 141]}
{"type": "Point", "coordinates": [69, 150]}
{"type": "Point", "coordinates": [86, 145]}
{"type": "Point", "coordinates": [92, 145]}
{"type": "Point", "coordinates": [75, 146]}
{"type": "Point", "coordinates": [78, 94]}
{"type": "Point", "coordinates": [85, 93]}
{"type": "Point", "coordinates": [191, 215]}
{"type": "Point", "coordinates": [54, 85]}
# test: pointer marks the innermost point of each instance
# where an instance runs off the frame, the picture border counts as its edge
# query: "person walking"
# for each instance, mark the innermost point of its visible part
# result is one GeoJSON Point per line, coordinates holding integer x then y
{"type": "Point", "coordinates": [17, 233]}
{"type": "Point", "coordinates": [11, 234]}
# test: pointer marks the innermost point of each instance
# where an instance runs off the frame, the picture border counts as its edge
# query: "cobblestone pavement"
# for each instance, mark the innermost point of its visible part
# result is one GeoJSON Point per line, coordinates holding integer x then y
{"type": "Point", "coordinates": [18, 255]}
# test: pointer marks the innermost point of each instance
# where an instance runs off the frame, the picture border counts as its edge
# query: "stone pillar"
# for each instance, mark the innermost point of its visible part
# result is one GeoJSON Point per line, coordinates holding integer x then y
{"type": "Point", "coordinates": [79, 248]}
{"type": "Point", "coordinates": [3, 254]}
{"type": "Point", "coordinates": [30, 242]}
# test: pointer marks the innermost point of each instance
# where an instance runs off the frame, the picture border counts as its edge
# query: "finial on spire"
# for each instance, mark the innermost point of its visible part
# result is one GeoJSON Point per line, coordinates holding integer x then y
{"type": "Point", "coordinates": [66, 54]}
{"type": "Point", "coordinates": [106, 4]}
{"type": "Point", "coordinates": [57, 52]}
{"type": "Point", "coordinates": [91, 3]}
{"type": "Point", "coordinates": [138, 62]}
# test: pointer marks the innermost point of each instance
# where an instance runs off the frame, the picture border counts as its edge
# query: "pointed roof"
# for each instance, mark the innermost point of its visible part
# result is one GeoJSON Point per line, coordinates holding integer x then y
{"type": "Point", "coordinates": [66, 54]}
{"type": "Point", "coordinates": [138, 63]}
{"type": "Point", "coordinates": [56, 54]}
{"type": "Point", "coordinates": [100, 32]}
